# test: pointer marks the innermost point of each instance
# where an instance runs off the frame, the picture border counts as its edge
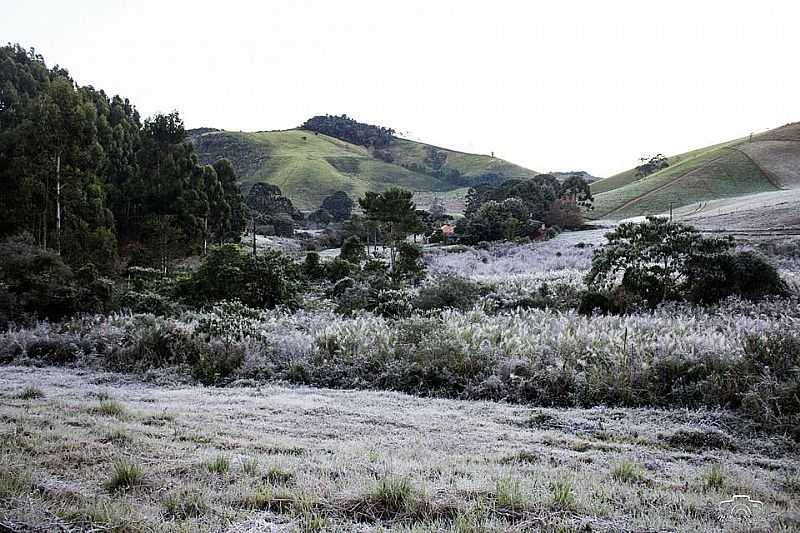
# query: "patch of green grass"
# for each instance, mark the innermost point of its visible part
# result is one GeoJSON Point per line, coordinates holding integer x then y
{"type": "Point", "coordinates": [563, 495]}
{"type": "Point", "coordinates": [113, 517]}
{"type": "Point", "coordinates": [309, 167]}
{"type": "Point", "coordinates": [13, 482]}
{"type": "Point", "coordinates": [714, 477]}
{"type": "Point", "coordinates": [626, 472]}
{"type": "Point", "coordinates": [125, 476]}
{"type": "Point", "coordinates": [112, 408]}
{"type": "Point", "coordinates": [31, 393]}
{"type": "Point", "coordinates": [267, 498]}
{"type": "Point", "coordinates": [184, 503]}
{"type": "Point", "coordinates": [117, 436]}
{"type": "Point", "coordinates": [218, 465]}
{"type": "Point", "coordinates": [521, 456]}
{"type": "Point", "coordinates": [277, 475]}
{"type": "Point", "coordinates": [508, 494]}
{"type": "Point", "coordinates": [250, 467]}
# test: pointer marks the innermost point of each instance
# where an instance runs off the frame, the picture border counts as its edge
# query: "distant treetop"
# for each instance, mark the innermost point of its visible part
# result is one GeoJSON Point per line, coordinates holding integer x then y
{"type": "Point", "coordinates": [350, 130]}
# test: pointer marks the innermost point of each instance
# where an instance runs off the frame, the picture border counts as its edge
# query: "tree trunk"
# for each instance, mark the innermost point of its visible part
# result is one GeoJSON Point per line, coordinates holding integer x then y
{"type": "Point", "coordinates": [58, 203]}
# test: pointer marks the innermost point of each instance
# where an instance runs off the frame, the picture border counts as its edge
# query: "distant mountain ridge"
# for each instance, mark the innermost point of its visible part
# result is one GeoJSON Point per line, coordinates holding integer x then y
{"type": "Point", "coordinates": [308, 165]}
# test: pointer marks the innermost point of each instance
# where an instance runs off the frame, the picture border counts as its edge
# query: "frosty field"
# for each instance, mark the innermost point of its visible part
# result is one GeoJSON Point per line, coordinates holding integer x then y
{"type": "Point", "coordinates": [280, 459]}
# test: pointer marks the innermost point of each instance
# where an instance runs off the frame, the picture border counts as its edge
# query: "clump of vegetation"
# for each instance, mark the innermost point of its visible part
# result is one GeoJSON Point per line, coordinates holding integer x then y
{"type": "Point", "coordinates": [268, 280]}
{"type": "Point", "coordinates": [31, 393]}
{"type": "Point", "coordinates": [715, 477]}
{"type": "Point", "coordinates": [448, 291]}
{"type": "Point", "coordinates": [251, 467]}
{"type": "Point", "coordinates": [13, 482]}
{"type": "Point", "coordinates": [125, 476]}
{"type": "Point", "coordinates": [660, 260]}
{"type": "Point", "coordinates": [112, 408]}
{"type": "Point", "coordinates": [508, 494]}
{"type": "Point", "coordinates": [392, 498]}
{"type": "Point", "coordinates": [563, 495]}
{"type": "Point", "coordinates": [220, 464]}
{"type": "Point", "coordinates": [650, 165]}
{"type": "Point", "coordinates": [700, 439]}
{"type": "Point", "coordinates": [347, 129]}
{"type": "Point", "coordinates": [277, 475]}
{"type": "Point", "coordinates": [117, 436]}
{"type": "Point", "coordinates": [626, 472]}
{"type": "Point", "coordinates": [184, 503]}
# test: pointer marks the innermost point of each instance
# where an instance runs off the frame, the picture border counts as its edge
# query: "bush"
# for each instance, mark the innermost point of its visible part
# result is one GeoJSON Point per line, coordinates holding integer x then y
{"type": "Point", "coordinates": [312, 266]}
{"type": "Point", "coordinates": [448, 291]}
{"type": "Point", "coordinates": [353, 250]}
{"type": "Point", "coordinates": [34, 283]}
{"type": "Point", "coordinates": [409, 265]}
{"type": "Point", "coordinates": [337, 269]}
{"type": "Point", "coordinates": [745, 274]}
{"type": "Point", "coordinates": [268, 280]}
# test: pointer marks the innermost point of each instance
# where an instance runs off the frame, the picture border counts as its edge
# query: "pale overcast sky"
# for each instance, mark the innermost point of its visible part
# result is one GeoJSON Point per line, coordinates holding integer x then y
{"type": "Point", "coordinates": [550, 85]}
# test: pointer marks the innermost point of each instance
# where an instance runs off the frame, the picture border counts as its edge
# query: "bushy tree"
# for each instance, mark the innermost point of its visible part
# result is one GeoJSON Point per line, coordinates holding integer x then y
{"type": "Point", "coordinates": [651, 165]}
{"type": "Point", "coordinates": [659, 260]}
{"type": "Point", "coordinates": [496, 221]}
{"type": "Point", "coordinates": [353, 250]}
{"type": "Point", "coordinates": [410, 266]}
{"type": "Point", "coordinates": [339, 205]}
{"type": "Point", "coordinates": [268, 280]}
{"type": "Point", "coordinates": [395, 213]}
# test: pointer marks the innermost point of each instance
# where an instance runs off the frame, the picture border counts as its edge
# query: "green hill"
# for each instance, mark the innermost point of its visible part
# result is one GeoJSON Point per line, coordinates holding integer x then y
{"type": "Point", "coordinates": [767, 162]}
{"type": "Point", "coordinates": [308, 166]}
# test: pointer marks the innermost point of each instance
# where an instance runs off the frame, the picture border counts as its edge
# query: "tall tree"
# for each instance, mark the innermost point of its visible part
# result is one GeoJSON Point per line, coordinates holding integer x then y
{"type": "Point", "coordinates": [395, 213]}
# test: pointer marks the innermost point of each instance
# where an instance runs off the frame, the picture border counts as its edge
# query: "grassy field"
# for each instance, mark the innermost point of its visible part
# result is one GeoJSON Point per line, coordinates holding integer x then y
{"type": "Point", "coordinates": [767, 162]}
{"type": "Point", "coordinates": [94, 451]}
{"type": "Point", "coordinates": [309, 167]}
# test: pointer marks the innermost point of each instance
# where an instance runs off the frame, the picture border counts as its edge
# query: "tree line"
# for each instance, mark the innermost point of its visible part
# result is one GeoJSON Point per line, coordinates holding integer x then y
{"type": "Point", "coordinates": [85, 177]}
{"type": "Point", "coordinates": [350, 130]}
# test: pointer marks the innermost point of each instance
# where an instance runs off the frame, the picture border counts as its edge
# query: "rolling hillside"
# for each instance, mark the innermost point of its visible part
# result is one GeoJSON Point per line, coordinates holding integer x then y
{"type": "Point", "coordinates": [768, 162]}
{"type": "Point", "coordinates": [308, 166]}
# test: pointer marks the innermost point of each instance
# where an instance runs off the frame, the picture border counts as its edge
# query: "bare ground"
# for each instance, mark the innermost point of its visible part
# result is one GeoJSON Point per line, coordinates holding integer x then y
{"type": "Point", "coordinates": [274, 458]}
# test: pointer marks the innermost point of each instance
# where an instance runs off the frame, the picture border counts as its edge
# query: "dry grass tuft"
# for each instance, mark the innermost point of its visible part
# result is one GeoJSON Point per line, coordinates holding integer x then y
{"type": "Point", "coordinates": [126, 475]}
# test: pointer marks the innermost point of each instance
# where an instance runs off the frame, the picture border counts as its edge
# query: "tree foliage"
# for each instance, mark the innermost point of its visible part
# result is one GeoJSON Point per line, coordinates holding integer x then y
{"type": "Point", "coordinates": [339, 205]}
{"type": "Point", "coordinates": [268, 280]}
{"type": "Point", "coordinates": [395, 213]}
{"type": "Point", "coordinates": [347, 129]}
{"type": "Point", "coordinates": [650, 165]}
{"type": "Point", "coordinates": [660, 260]}
{"type": "Point", "coordinates": [81, 173]}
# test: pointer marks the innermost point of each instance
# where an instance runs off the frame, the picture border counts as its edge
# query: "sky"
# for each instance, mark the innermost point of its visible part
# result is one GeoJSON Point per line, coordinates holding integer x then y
{"type": "Point", "coordinates": [567, 85]}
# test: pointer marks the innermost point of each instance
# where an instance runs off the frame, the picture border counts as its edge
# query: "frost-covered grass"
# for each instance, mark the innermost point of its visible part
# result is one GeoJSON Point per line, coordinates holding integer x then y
{"type": "Point", "coordinates": [348, 461]}
{"type": "Point", "coordinates": [258, 456]}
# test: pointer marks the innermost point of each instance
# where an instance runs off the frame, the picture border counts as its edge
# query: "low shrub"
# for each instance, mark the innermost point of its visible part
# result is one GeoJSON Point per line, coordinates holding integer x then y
{"type": "Point", "coordinates": [447, 291]}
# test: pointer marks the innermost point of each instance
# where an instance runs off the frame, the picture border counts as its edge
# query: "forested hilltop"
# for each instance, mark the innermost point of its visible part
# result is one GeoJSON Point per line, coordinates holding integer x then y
{"type": "Point", "coordinates": [330, 153]}
{"type": "Point", "coordinates": [84, 177]}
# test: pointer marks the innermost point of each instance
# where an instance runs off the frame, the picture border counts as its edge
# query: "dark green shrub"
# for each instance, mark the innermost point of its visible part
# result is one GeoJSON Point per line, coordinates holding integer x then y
{"type": "Point", "coordinates": [312, 266]}
{"type": "Point", "coordinates": [337, 269]}
{"type": "Point", "coordinates": [147, 302]}
{"type": "Point", "coordinates": [746, 274]}
{"type": "Point", "coordinates": [215, 361]}
{"type": "Point", "coordinates": [409, 265]}
{"type": "Point", "coordinates": [34, 283]}
{"type": "Point", "coordinates": [448, 291]}
{"type": "Point", "coordinates": [268, 280]}
{"type": "Point", "coordinates": [594, 302]}
{"type": "Point", "coordinates": [353, 250]}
